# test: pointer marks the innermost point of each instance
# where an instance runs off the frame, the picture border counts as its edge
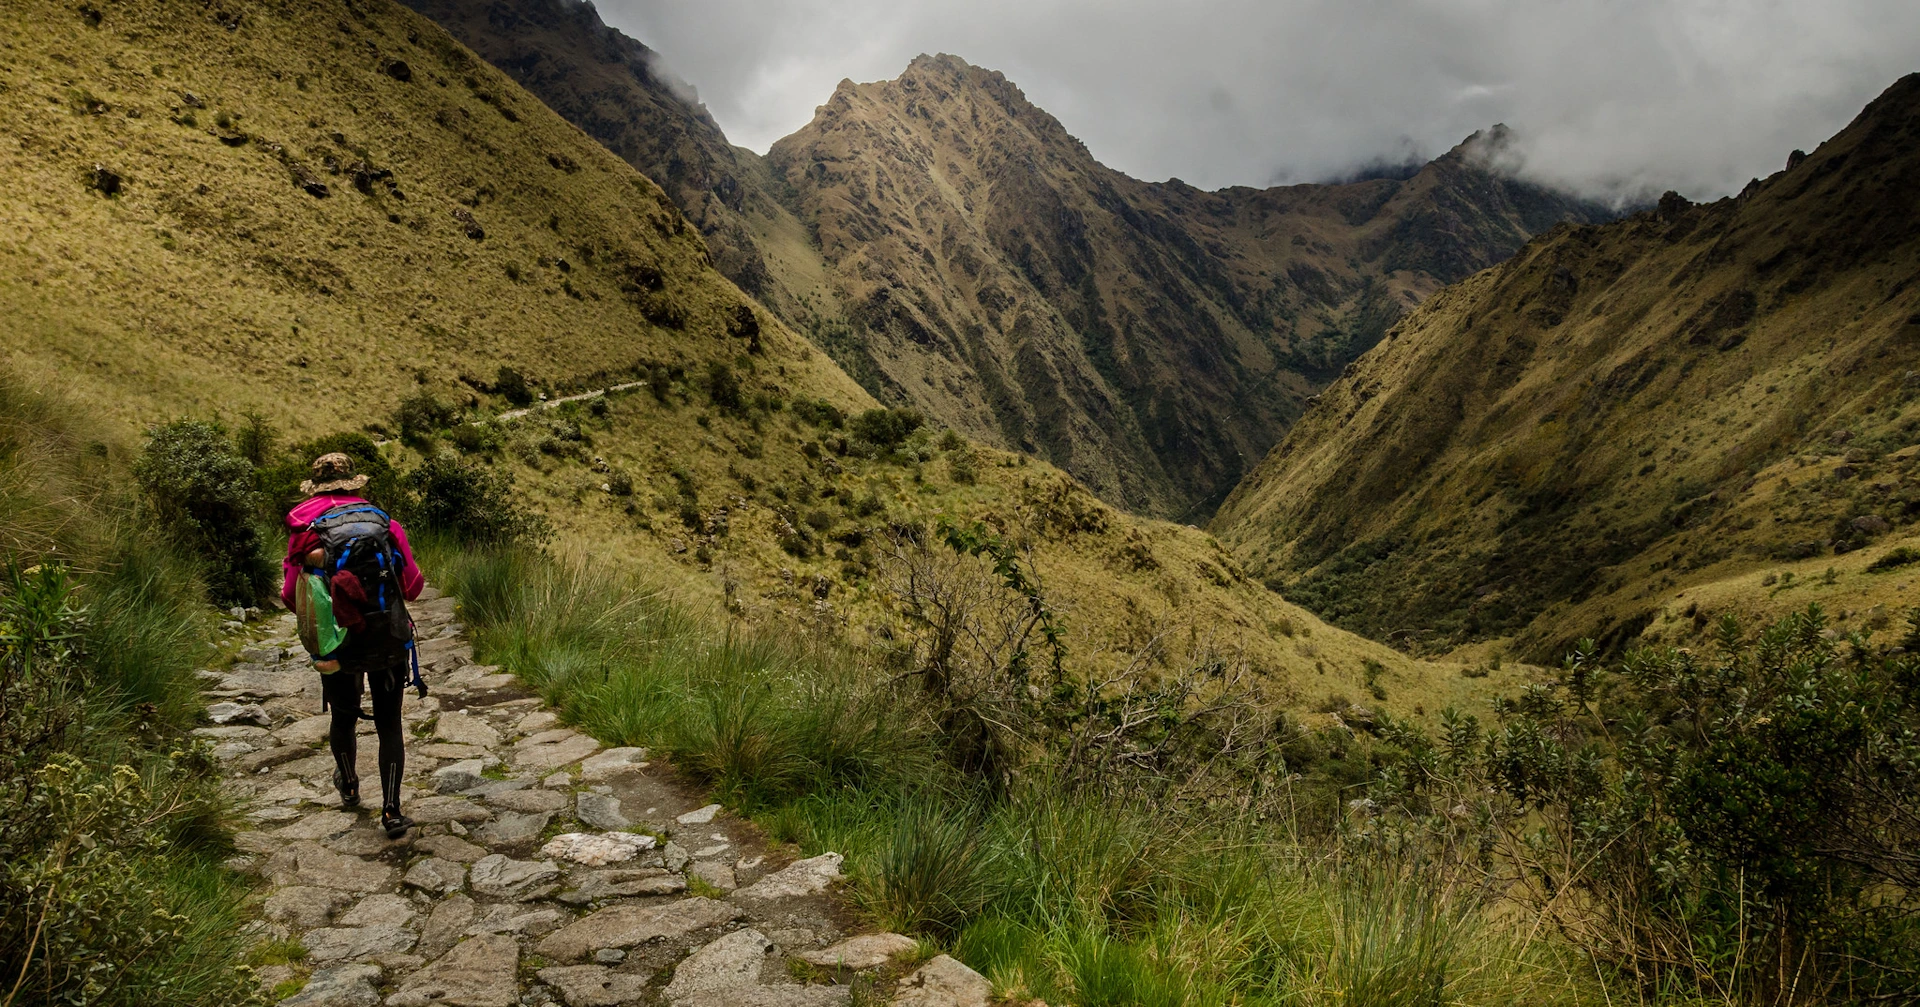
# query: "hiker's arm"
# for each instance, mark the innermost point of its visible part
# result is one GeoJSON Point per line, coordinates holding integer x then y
{"type": "Point", "coordinates": [411, 579]}
{"type": "Point", "coordinates": [298, 544]}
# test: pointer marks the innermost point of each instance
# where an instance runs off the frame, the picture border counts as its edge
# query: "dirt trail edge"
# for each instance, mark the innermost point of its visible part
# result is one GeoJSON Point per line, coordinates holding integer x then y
{"type": "Point", "coordinates": [545, 869]}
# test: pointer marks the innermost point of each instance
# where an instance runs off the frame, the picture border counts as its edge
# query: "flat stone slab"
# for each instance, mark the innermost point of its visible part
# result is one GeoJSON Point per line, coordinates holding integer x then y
{"type": "Point", "coordinates": [717, 873]}
{"type": "Point", "coordinates": [863, 952]}
{"type": "Point", "coordinates": [624, 926]}
{"type": "Point", "coordinates": [720, 971]}
{"type": "Point", "coordinates": [308, 863]}
{"type": "Point", "coordinates": [449, 921]}
{"type": "Point", "coordinates": [463, 729]}
{"type": "Point", "coordinates": [517, 920]}
{"type": "Point", "coordinates": [307, 731]}
{"type": "Point", "coordinates": [700, 816]}
{"type": "Point", "coordinates": [304, 906]}
{"type": "Point", "coordinates": [449, 750]}
{"type": "Point", "coordinates": [594, 985]}
{"type": "Point", "coordinates": [611, 763]}
{"type": "Point", "coordinates": [528, 801]}
{"type": "Point", "coordinates": [500, 876]}
{"type": "Point", "coordinates": [436, 876]}
{"type": "Point", "coordinates": [511, 828]}
{"type": "Point", "coordinates": [543, 756]}
{"type": "Point", "coordinates": [441, 810]}
{"type": "Point", "coordinates": [383, 908]}
{"type": "Point", "coordinates": [330, 944]}
{"type": "Point", "coordinates": [338, 986]}
{"type": "Point", "coordinates": [943, 982]}
{"type": "Point", "coordinates": [478, 972]}
{"type": "Point", "coordinates": [597, 851]}
{"type": "Point", "coordinates": [803, 877]}
{"type": "Point", "coordinates": [599, 886]}
{"type": "Point", "coordinates": [602, 811]}
{"type": "Point", "coordinates": [459, 776]}
{"type": "Point", "coordinates": [319, 825]}
{"type": "Point", "coordinates": [535, 722]}
{"type": "Point", "coordinates": [450, 848]}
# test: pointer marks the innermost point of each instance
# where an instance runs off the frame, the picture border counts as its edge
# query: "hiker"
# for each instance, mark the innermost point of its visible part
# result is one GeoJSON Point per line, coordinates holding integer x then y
{"type": "Point", "coordinates": [349, 568]}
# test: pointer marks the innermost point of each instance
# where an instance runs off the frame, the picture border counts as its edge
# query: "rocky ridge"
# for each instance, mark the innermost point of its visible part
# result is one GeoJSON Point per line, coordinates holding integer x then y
{"type": "Point", "coordinates": [544, 869]}
{"type": "Point", "coordinates": [955, 249]}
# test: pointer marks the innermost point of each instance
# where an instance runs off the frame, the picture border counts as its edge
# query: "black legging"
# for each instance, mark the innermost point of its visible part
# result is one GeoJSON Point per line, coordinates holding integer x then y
{"type": "Point", "coordinates": [385, 672]}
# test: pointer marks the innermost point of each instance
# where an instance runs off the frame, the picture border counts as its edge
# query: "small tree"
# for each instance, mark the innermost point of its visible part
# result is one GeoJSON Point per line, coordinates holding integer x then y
{"type": "Point", "coordinates": [201, 493]}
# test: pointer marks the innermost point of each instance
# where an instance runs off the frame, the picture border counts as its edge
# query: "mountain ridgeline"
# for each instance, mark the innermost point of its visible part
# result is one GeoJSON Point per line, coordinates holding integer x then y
{"type": "Point", "coordinates": [956, 250]}
{"type": "Point", "coordinates": [1564, 445]}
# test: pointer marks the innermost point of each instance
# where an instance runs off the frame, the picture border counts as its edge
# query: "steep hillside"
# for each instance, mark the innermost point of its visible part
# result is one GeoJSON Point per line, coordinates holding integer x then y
{"type": "Point", "coordinates": [1563, 444]}
{"type": "Point", "coordinates": [613, 87]}
{"type": "Point", "coordinates": [956, 250]}
{"type": "Point", "coordinates": [317, 210]}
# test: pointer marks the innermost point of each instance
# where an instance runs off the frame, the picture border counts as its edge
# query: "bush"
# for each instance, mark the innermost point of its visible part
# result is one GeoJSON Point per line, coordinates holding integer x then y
{"type": "Point", "coordinates": [472, 504]}
{"type": "Point", "coordinates": [819, 413]}
{"type": "Point", "coordinates": [1894, 559]}
{"type": "Point", "coordinates": [512, 386]}
{"type": "Point", "coordinates": [420, 416]}
{"type": "Point", "coordinates": [1734, 811]}
{"type": "Point", "coordinates": [110, 891]}
{"type": "Point", "coordinates": [723, 388]}
{"type": "Point", "coordinates": [201, 494]}
{"type": "Point", "coordinates": [886, 429]}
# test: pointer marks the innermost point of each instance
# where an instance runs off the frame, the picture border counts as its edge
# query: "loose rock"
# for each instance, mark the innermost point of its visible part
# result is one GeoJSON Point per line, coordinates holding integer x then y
{"type": "Point", "coordinates": [943, 982]}
{"type": "Point", "coordinates": [803, 877]}
{"type": "Point", "coordinates": [436, 875]}
{"type": "Point", "coordinates": [863, 952]}
{"type": "Point", "coordinates": [597, 851]}
{"type": "Point", "coordinates": [600, 811]}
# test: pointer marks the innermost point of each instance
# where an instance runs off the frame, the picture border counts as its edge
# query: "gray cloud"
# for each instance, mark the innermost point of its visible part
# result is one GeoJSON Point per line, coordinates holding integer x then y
{"type": "Point", "coordinates": [1612, 97]}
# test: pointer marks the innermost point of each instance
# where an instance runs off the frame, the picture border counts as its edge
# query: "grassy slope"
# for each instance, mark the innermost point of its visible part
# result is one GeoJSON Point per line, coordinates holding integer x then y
{"type": "Point", "coordinates": [1565, 444]}
{"type": "Point", "coordinates": [165, 299]}
{"type": "Point", "coordinates": [212, 281]}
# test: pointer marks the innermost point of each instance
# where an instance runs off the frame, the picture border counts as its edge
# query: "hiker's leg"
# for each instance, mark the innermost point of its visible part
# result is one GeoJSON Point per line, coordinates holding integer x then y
{"type": "Point", "coordinates": [388, 683]}
{"type": "Point", "coordinates": [342, 692]}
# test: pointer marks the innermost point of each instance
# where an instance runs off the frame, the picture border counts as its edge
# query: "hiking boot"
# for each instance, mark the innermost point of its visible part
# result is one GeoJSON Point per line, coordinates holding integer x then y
{"type": "Point", "coordinates": [395, 823]}
{"type": "Point", "coordinates": [349, 790]}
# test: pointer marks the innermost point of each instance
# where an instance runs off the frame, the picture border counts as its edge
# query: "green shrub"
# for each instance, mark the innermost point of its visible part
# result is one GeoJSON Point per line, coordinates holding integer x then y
{"type": "Point", "coordinates": [472, 503]}
{"type": "Point", "coordinates": [420, 416]}
{"type": "Point", "coordinates": [819, 413]}
{"type": "Point", "coordinates": [512, 386]}
{"type": "Point", "coordinates": [723, 387]}
{"type": "Point", "coordinates": [885, 429]}
{"type": "Point", "coordinates": [1894, 559]}
{"type": "Point", "coordinates": [201, 494]}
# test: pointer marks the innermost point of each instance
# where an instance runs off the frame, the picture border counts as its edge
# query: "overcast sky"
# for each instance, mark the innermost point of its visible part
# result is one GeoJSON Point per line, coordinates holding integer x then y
{"type": "Point", "coordinates": [1611, 96]}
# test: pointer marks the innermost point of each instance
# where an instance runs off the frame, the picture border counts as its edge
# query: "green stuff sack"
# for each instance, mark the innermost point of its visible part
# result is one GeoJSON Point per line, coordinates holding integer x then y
{"type": "Point", "coordinates": [313, 606]}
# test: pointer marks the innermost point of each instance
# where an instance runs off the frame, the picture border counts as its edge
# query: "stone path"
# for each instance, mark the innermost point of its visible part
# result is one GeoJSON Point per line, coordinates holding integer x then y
{"type": "Point", "coordinates": [545, 869]}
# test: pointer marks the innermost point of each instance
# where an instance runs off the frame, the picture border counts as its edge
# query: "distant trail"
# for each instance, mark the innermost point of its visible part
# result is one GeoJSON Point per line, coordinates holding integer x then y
{"type": "Point", "coordinates": [514, 414]}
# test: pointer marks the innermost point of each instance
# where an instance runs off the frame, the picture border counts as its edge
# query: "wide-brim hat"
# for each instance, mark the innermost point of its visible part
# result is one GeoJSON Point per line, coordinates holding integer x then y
{"type": "Point", "coordinates": [332, 473]}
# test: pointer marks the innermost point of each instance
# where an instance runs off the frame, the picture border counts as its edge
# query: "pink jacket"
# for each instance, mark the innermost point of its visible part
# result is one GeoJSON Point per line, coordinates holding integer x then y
{"type": "Point", "coordinates": [303, 541]}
